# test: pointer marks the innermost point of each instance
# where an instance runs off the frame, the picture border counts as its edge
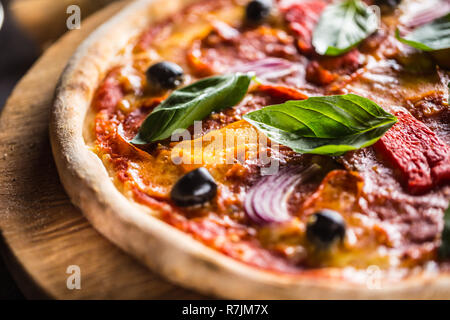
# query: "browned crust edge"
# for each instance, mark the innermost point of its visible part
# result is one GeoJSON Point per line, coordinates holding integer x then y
{"type": "Point", "coordinates": [164, 249]}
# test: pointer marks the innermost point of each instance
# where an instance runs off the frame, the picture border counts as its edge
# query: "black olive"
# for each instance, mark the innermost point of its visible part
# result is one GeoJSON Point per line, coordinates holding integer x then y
{"type": "Point", "coordinates": [324, 228]}
{"type": "Point", "coordinates": [195, 187]}
{"type": "Point", "coordinates": [388, 3]}
{"type": "Point", "coordinates": [258, 10]}
{"type": "Point", "coordinates": [165, 75]}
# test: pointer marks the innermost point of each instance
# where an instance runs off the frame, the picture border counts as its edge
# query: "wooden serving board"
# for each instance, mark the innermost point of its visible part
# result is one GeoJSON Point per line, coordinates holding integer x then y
{"type": "Point", "coordinates": [42, 233]}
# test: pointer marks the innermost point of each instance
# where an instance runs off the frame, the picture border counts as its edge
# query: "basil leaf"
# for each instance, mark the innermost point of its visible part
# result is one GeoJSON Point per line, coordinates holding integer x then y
{"type": "Point", "coordinates": [329, 125]}
{"type": "Point", "coordinates": [191, 103]}
{"type": "Point", "coordinates": [343, 26]}
{"type": "Point", "coordinates": [444, 249]}
{"type": "Point", "coordinates": [429, 37]}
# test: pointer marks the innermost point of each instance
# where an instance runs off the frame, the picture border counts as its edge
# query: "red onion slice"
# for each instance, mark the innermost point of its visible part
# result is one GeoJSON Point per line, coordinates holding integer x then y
{"type": "Point", "coordinates": [268, 68]}
{"type": "Point", "coordinates": [424, 12]}
{"type": "Point", "coordinates": [266, 201]}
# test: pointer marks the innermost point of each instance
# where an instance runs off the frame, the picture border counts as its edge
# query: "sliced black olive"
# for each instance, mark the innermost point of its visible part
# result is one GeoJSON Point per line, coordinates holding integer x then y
{"type": "Point", "coordinates": [258, 10]}
{"type": "Point", "coordinates": [324, 228]}
{"type": "Point", "coordinates": [195, 187]}
{"type": "Point", "coordinates": [165, 75]}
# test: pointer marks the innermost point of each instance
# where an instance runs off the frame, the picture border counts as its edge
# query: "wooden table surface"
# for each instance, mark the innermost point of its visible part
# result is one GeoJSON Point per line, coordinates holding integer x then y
{"type": "Point", "coordinates": [42, 233]}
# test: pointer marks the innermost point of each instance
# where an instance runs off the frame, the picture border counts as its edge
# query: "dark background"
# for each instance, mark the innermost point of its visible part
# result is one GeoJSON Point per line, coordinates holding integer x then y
{"type": "Point", "coordinates": [19, 49]}
{"type": "Point", "coordinates": [17, 54]}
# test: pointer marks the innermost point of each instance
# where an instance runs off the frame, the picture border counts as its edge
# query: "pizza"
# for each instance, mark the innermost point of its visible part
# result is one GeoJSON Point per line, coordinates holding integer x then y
{"type": "Point", "coordinates": [267, 149]}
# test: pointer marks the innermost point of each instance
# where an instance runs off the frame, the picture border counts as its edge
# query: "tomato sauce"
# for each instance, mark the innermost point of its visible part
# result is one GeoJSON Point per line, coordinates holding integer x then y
{"type": "Point", "coordinates": [421, 157]}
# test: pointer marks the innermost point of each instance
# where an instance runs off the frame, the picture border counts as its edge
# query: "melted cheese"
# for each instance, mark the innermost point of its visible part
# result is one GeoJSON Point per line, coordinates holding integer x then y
{"type": "Point", "coordinates": [238, 142]}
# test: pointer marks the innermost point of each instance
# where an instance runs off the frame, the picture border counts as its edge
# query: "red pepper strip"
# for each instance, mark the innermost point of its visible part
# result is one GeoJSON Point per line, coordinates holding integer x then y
{"type": "Point", "coordinates": [281, 92]}
{"type": "Point", "coordinates": [302, 18]}
{"type": "Point", "coordinates": [194, 59]}
{"type": "Point", "coordinates": [422, 159]}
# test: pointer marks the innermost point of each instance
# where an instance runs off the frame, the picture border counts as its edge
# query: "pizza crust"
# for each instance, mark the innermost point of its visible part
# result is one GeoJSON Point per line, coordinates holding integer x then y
{"type": "Point", "coordinates": [133, 227]}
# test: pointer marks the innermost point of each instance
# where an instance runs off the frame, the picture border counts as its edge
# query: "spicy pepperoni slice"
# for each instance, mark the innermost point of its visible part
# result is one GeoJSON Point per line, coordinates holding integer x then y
{"type": "Point", "coordinates": [109, 93]}
{"type": "Point", "coordinates": [421, 158]}
{"type": "Point", "coordinates": [302, 17]}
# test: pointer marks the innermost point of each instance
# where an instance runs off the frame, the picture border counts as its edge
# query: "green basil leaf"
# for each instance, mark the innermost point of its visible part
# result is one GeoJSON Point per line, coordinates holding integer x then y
{"type": "Point", "coordinates": [343, 26]}
{"type": "Point", "coordinates": [329, 125]}
{"type": "Point", "coordinates": [191, 103]}
{"type": "Point", "coordinates": [444, 249]}
{"type": "Point", "coordinates": [429, 37]}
